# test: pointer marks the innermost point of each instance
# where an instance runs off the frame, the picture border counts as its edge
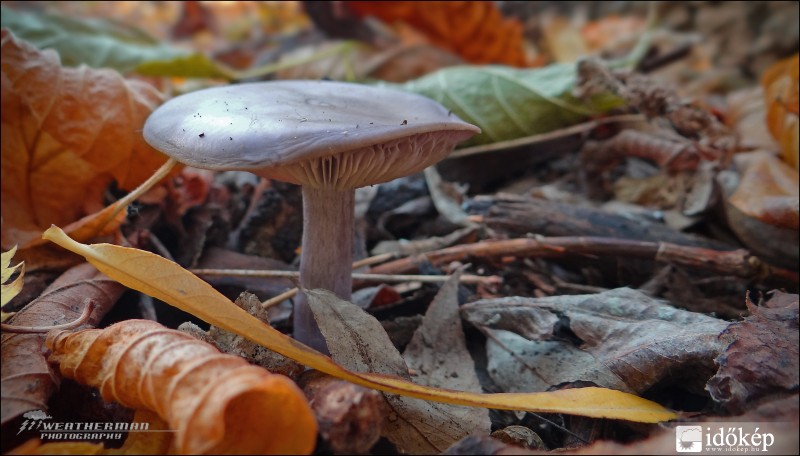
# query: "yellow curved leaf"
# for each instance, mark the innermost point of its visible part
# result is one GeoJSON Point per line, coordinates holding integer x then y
{"type": "Point", "coordinates": [167, 281]}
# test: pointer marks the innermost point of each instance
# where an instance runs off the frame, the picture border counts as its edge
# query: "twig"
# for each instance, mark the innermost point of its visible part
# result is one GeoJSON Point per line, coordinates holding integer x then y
{"type": "Point", "coordinates": [374, 260]}
{"type": "Point", "coordinates": [87, 312]}
{"type": "Point", "coordinates": [275, 300]}
{"type": "Point", "coordinates": [289, 294]}
{"type": "Point", "coordinates": [740, 263]}
{"type": "Point", "coordinates": [488, 280]}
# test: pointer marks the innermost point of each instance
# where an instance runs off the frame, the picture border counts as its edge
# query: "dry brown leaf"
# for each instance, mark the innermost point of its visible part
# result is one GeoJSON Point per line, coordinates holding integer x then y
{"type": "Point", "coordinates": [762, 357]}
{"type": "Point", "coordinates": [358, 342]}
{"type": "Point", "coordinates": [216, 403]}
{"type": "Point", "coordinates": [625, 340]}
{"type": "Point", "coordinates": [474, 30]}
{"type": "Point", "coordinates": [780, 83]}
{"type": "Point", "coordinates": [67, 133]}
{"type": "Point", "coordinates": [27, 380]}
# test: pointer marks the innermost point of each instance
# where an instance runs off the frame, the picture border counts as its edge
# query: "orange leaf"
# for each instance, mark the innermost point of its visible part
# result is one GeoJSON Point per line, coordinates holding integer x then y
{"type": "Point", "coordinates": [216, 403]}
{"type": "Point", "coordinates": [167, 281]}
{"type": "Point", "coordinates": [67, 133]}
{"type": "Point", "coordinates": [780, 83]}
{"type": "Point", "coordinates": [474, 30]}
{"type": "Point", "coordinates": [768, 190]}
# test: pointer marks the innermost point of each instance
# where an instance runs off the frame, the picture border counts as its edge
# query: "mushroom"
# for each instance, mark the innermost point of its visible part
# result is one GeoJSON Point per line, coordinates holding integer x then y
{"type": "Point", "coordinates": [329, 137]}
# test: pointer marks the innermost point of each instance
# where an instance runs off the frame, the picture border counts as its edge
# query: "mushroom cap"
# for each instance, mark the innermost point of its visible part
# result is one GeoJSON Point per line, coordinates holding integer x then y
{"type": "Point", "coordinates": [319, 133]}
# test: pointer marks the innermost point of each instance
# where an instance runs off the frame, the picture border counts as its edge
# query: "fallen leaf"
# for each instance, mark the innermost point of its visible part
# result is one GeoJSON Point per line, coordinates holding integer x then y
{"type": "Point", "coordinates": [620, 339]}
{"type": "Point", "coordinates": [438, 354]}
{"type": "Point", "coordinates": [67, 133]}
{"type": "Point", "coordinates": [358, 342]}
{"type": "Point", "coordinates": [768, 190]}
{"type": "Point", "coordinates": [167, 281]}
{"type": "Point", "coordinates": [474, 30]}
{"type": "Point", "coordinates": [105, 44]}
{"type": "Point", "coordinates": [9, 290]}
{"type": "Point", "coordinates": [508, 103]}
{"type": "Point", "coordinates": [763, 209]}
{"type": "Point", "coordinates": [216, 403]}
{"type": "Point", "coordinates": [762, 355]}
{"type": "Point", "coordinates": [780, 83]}
{"type": "Point", "coordinates": [27, 380]}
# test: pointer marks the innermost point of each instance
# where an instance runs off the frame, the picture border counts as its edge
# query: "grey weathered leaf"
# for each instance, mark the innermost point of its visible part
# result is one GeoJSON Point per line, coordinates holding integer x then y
{"type": "Point", "coordinates": [438, 354]}
{"type": "Point", "coordinates": [620, 339]}
{"type": "Point", "coordinates": [357, 341]}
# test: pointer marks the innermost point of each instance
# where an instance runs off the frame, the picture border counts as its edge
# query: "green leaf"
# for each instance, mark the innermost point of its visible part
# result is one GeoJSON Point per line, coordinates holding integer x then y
{"type": "Point", "coordinates": [106, 44]}
{"type": "Point", "coordinates": [509, 103]}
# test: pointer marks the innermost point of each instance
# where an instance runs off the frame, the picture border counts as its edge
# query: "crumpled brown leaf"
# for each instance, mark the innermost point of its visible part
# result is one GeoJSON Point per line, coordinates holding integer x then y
{"type": "Point", "coordinates": [762, 357]}
{"type": "Point", "coordinates": [27, 380]}
{"type": "Point", "coordinates": [357, 341]}
{"type": "Point", "coordinates": [216, 403]}
{"type": "Point", "coordinates": [620, 339]}
{"type": "Point", "coordinates": [67, 133]}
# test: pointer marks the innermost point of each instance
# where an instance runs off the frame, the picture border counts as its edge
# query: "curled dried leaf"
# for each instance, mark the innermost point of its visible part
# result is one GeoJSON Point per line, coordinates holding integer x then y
{"type": "Point", "coordinates": [216, 403]}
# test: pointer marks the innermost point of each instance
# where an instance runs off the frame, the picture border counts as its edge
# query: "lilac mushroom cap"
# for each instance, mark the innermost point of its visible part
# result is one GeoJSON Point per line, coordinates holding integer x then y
{"type": "Point", "coordinates": [329, 137]}
{"type": "Point", "coordinates": [316, 133]}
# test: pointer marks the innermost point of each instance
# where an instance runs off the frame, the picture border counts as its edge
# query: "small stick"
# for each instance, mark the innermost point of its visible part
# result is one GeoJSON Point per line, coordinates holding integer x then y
{"type": "Point", "coordinates": [291, 293]}
{"type": "Point", "coordinates": [489, 280]}
{"type": "Point", "coordinates": [374, 260]}
{"type": "Point", "coordinates": [275, 300]}
{"type": "Point", "coordinates": [87, 312]}
{"type": "Point", "coordinates": [739, 263]}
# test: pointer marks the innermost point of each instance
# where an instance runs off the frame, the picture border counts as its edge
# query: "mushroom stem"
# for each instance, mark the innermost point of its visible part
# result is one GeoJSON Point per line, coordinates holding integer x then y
{"type": "Point", "coordinates": [326, 257]}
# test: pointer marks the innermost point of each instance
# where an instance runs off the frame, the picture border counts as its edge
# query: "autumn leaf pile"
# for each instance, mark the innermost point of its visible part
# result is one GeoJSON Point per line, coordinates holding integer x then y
{"type": "Point", "coordinates": [72, 144]}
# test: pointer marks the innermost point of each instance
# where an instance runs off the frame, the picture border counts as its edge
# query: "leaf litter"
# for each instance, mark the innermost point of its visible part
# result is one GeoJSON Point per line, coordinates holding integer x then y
{"type": "Point", "coordinates": [669, 173]}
